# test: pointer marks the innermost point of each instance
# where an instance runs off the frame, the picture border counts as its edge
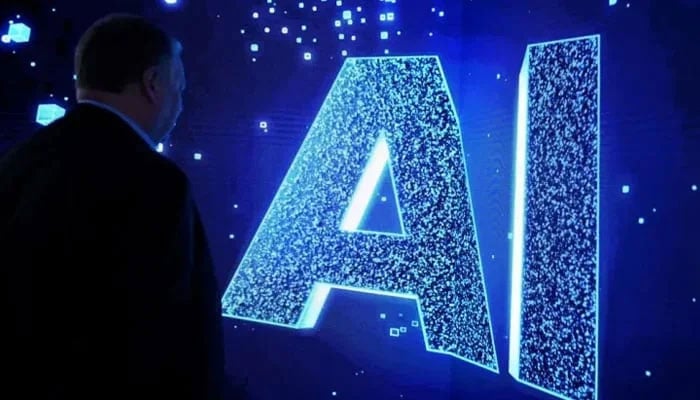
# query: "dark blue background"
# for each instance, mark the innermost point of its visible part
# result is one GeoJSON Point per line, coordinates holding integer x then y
{"type": "Point", "coordinates": [650, 140]}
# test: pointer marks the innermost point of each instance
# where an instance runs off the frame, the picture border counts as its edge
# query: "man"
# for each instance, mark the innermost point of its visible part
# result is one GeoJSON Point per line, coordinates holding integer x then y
{"type": "Point", "coordinates": [109, 287]}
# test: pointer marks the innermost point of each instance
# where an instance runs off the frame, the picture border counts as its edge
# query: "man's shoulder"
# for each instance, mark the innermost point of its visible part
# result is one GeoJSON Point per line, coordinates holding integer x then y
{"type": "Point", "coordinates": [156, 167]}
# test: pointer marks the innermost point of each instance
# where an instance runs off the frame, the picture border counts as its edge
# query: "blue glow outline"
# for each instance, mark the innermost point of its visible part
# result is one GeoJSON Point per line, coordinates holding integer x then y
{"type": "Point", "coordinates": [518, 229]}
{"type": "Point", "coordinates": [514, 370]}
{"type": "Point", "coordinates": [311, 311]}
{"type": "Point", "coordinates": [597, 269]}
{"type": "Point", "coordinates": [376, 163]}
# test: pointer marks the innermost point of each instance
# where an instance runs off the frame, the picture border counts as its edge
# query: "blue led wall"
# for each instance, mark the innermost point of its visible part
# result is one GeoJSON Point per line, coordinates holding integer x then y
{"type": "Point", "coordinates": [394, 116]}
{"type": "Point", "coordinates": [346, 307]}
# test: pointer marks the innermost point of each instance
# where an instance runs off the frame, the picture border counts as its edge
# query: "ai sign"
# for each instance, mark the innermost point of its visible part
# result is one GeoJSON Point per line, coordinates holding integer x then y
{"type": "Point", "coordinates": [395, 116]}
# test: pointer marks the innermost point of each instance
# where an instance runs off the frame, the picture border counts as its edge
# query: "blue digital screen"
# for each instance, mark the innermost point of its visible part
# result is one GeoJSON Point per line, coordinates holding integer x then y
{"type": "Point", "coordinates": [429, 200]}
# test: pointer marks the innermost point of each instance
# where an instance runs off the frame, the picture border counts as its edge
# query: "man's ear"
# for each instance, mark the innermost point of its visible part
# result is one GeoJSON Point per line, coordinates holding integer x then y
{"type": "Point", "coordinates": [149, 83]}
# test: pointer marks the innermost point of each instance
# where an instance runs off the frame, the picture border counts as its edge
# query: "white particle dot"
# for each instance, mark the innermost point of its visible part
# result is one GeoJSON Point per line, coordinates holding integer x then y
{"type": "Point", "coordinates": [625, 189]}
{"type": "Point", "coordinates": [235, 206]}
{"type": "Point", "coordinates": [641, 220]}
{"type": "Point", "coordinates": [694, 188]}
{"type": "Point", "coordinates": [694, 300]}
{"type": "Point", "coordinates": [647, 373]}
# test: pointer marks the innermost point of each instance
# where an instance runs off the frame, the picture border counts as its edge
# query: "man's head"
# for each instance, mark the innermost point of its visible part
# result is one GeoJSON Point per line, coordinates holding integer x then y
{"type": "Point", "coordinates": [134, 66]}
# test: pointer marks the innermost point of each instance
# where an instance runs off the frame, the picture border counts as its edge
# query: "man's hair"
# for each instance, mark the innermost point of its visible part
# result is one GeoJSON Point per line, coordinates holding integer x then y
{"type": "Point", "coordinates": [117, 49]}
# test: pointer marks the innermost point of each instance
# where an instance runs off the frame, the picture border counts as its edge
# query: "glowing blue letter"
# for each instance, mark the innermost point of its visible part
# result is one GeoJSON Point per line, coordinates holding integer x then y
{"type": "Point", "coordinates": [554, 296]}
{"type": "Point", "coordinates": [380, 110]}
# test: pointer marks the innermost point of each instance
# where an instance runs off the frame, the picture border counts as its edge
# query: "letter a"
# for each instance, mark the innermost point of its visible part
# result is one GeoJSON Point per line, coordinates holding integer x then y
{"type": "Point", "coordinates": [308, 244]}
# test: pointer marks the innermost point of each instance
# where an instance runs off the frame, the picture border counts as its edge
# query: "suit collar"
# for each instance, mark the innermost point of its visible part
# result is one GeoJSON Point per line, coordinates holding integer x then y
{"type": "Point", "coordinates": [134, 127]}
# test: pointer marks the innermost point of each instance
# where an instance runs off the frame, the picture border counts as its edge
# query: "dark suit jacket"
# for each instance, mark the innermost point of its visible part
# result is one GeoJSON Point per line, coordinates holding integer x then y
{"type": "Point", "coordinates": [109, 286]}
